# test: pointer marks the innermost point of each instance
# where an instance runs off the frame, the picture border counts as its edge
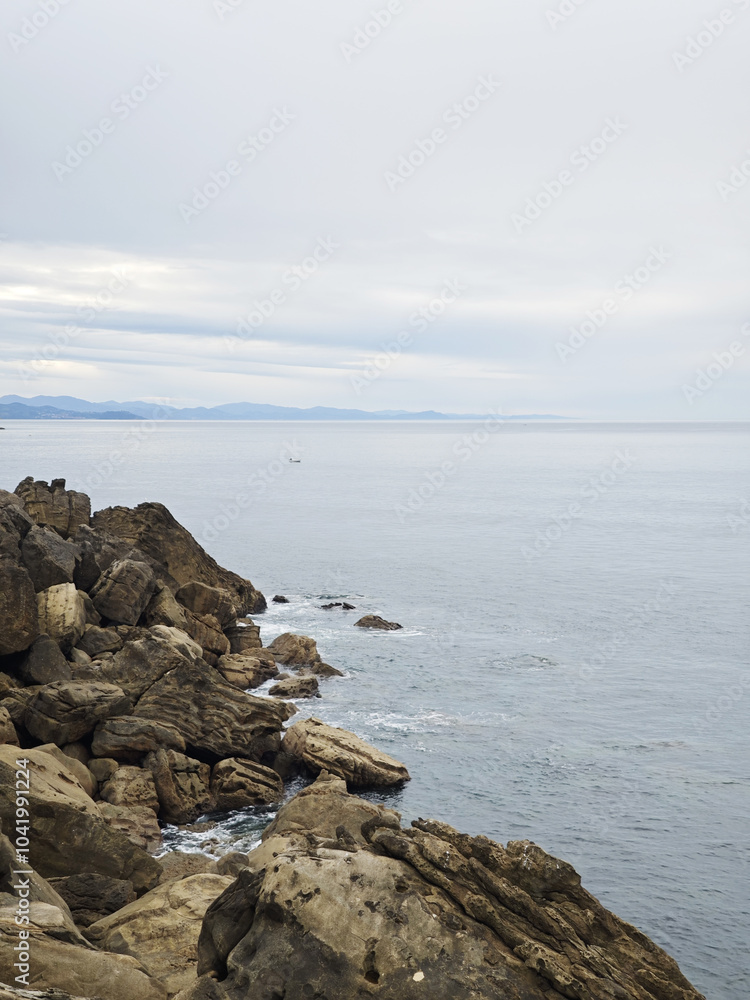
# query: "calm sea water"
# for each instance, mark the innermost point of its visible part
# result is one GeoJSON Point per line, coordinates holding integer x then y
{"type": "Point", "coordinates": [573, 665]}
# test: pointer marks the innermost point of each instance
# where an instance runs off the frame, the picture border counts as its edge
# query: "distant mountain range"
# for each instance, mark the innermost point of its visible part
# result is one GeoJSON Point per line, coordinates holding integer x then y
{"type": "Point", "coordinates": [70, 408]}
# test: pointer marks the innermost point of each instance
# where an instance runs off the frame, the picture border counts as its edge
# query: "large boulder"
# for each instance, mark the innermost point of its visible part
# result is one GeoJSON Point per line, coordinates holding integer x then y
{"type": "Point", "coordinates": [66, 827]}
{"type": "Point", "coordinates": [152, 528]}
{"type": "Point", "coordinates": [44, 663]}
{"type": "Point", "coordinates": [130, 787]}
{"type": "Point", "coordinates": [8, 732]}
{"type": "Point", "coordinates": [91, 897]}
{"type": "Point", "coordinates": [18, 608]}
{"type": "Point", "coordinates": [207, 632]}
{"type": "Point", "coordinates": [205, 600]}
{"type": "Point", "coordinates": [54, 506]}
{"type": "Point", "coordinates": [96, 641]}
{"type": "Point", "coordinates": [161, 929]}
{"type": "Point", "coordinates": [237, 783]}
{"type": "Point", "coordinates": [98, 551]}
{"type": "Point", "coordinates": [67, 710]}
{"type": "Point", "coordinates": [247, 670]}
{"type": "Point", "coordinates": [129, 738]}
{"type": "Point", "coordinates": [62, 614]}
{"type": "Point", "coordinates": [324, 748]}
{"type": "Point", "coordinates": [212, 715]}
{"type": "Point", "coordinates": [48, 558]}
{"type": "Point", "coordinates": [424, 912]}
{"type": "Point", "coordinates": [298, 651]}
{"type": "Point", "coordinates": [15, 523]}
{"type": "Point", "coordinates": [164, 609]}
{"type": "Point", "coordinates": [76, 767]}
{"type": "Point", "coordinates": [138, 823]}
{"type": "Point", "coordinates": [182, 785]}
{"type": "Point", "coordinates": [142, 662]}
{"type": "Point", "coordinates": [123, 591]}
{"type": "Point", "coordinates": [243, 638]}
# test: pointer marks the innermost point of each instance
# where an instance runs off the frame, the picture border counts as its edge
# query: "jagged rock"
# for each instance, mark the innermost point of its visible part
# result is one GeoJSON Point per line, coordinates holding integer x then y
{"type": "Point", "coordinates": [18, 609]}
{"type": "Point", "coordinates": [182, 786]}
{"type": "Point", "coordinates": [95, 641]}
{"type": "Point", "coordinates": [206, 631]}
{"type": "Point", "coordinates": [15, 523]}
{"type": "Point", "coordinates": [205, 600]}
{"type": "Point", "coordinates": [62, 615]}
{"type": "Point", "coordinates": [243, 638]}
{"type": "Point", "coordinates": [54, 506]}
{"type": "Point", "coordinates": [8, 732]}
{"type": "Point", "coordinates": [161, 929]}
{"type": "Point", "coordinates": [129, 738]}
{"type": "Point", "coordinates": [91, 897]}
{"type": "Point", "coordinates": [324, 748]}
{"type": "Point", "coordinates": [123, 591]}
{"type": "Point", "coordinates": [16, 700]}
{"type": "Point", "coordinates": [177, 865]}
{"type": "Point", "coordinates": [66, 827]}
{"type": "Point", "coordinates": [67, 710]}
{"type": "Point", "coordinates": [163, 609]}
{"type": "Point", "coordinates": [138, 823]}
{"type": "Point", "coordinates": [213, 715]}
{"type": "Point", "coordinates": [76, 767]}
{"type": "Point", "coordinates": [152, 529]}
{"type": "Point", "coordinates": [142, 662]}
{"type": "Point", "coordinates": [409, 914]}
{"type": "Point", "coordinates": [303, 686]}
{"type": "Point", "coordinates": [245, 671]}
{"type": "Point", "coordinates": [131, 787]}
{"type": "Point", "coordinates": [98, 551]}
{"type": "Point", "coordinates": [237, 783]}
{"type": "Point", "coordinates": [44, 663]}
{"type": "Point", "coordinates": [375, 621]}
{"type": "Point", "coordinates": [280, 599]}
{"type": "Point", "coordinates": [48, 558]}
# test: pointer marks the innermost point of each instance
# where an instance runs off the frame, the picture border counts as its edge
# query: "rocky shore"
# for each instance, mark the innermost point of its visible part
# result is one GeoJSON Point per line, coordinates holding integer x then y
{"type": "Point", "coordinates": [127, 661]}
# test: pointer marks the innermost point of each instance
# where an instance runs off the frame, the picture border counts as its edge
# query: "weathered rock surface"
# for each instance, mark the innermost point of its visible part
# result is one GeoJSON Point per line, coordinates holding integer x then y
{"type": "Point", "coordinates": [96, 641]}
{"type": "Point", "coordinates": [142, 662]}
{"type": "Point", "coordinates": [80, 772]}
{"type": "Point", "coordinates": [164, 609]}
{"type": "Point", "coordinates": [132, 787]}
{"type": "Point", "coordinates": [237, 783]}
{"type": "Point", "coordinates": [18, 608]}
{"type": "Point", "coordinates": [183, 785]}
{"type": "Point", "coordinates": [91, 897]}
{"type": "Point", "coordinates": [205, 600]}
{"type": "Point", "coordinates": [375, 621]}
{"type": "Point", "coordinates": [48, 558]}
{"type": "Point", "coordinates": [67, 710]}
{"type": "Point", "coordinates": [62, 614]}
{"type": "Point", "coordinates": [44, 663]}
{"type": "Point", "coordinates": [295, 650]}
{"type": "Point", "coordinates": [207, 632]}
{"type": "Point", "coordinates": [8, 732]}
{"type": "Point", "coordinates": [244, 670]}
{"type": "Point", "coordinates": [54, 506]}
{"type": "Point", "coordinates": [161, 929]}
{"type": "Point", "coordinates": [129, 738]}
{"type": "Point", "coordinates": [178, 865]}
{"type": "Point", "coordinates": [137, 823]}
{"type": "Point", "coordinates": [409, 914]}
{"type": "Point", "coordinates": [303, 686]}
{"type": "Point", "coordinates": [213, 715]}
{"type": "Point", "coordinates": [123, 591]}
{"type": "Point", "coordinates": [152, 528]}
{"type": "Point", "coordinates": [66, 827]}
{"type": "Point", "coordinates": [15, 523]}
{"type": "Point", "coordinates": [325, 748]}
{"type": "Point", "coordinates": [243, 638]}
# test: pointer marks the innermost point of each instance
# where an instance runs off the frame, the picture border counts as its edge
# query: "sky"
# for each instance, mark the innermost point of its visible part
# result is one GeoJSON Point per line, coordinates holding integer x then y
{"type": "Point", "coordinates": [529, 207]}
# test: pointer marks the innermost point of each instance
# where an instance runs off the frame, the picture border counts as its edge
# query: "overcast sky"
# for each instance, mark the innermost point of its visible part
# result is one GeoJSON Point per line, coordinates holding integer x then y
{"type": "Point", "coordinates": [515, 170]}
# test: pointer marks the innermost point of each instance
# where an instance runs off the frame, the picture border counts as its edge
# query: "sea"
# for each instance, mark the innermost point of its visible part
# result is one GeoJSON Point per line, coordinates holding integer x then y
{"type": "Point", "coordinates": [573, 663]}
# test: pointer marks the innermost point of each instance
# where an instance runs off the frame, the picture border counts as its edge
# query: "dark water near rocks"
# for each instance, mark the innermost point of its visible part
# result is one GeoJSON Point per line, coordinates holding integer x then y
{"type": "Point", "coordinates": [592, 697]}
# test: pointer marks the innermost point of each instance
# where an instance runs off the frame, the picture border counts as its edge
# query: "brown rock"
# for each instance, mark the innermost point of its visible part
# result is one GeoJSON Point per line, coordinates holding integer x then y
{"type": "Point", "coordinates": [48, 558]}
{"type": "Point", "coordinates": [152, 528]}
{"type": "Point", "coordinates": [67, 710]}
{"type": "Point", "coordinates": [236, 784]}
{"type": "Point", "coordinates": [324, 748]}
{"type": "Point", "coordinates": [245, 671]}
{"type": "Point", "coordinates": [137, 823]}
{"type": "Point", "coordinates": [62, 615]}
{"type": "Point", "coordinates": [206, 631]}
{"type": "Point", "coordinates": [8, 732]}
{"type": "Point", "coordinates": [96, 641]}
{"type": "Point", "coordinates": [102, 768]}
{"type": "Point", "coordinates": [91, 896]}
{"type": "Point", "coordinates": [182, 786]}
{"type": "Point", "coordinates": [54, 506]}
{"type": "Point", "coordinates": [205, 600]}
{"type": "Point", "coordinates": [177, 865]}
{"type": "Point", "coordinates": [295, 650]}
{"type": "Point", "coordinates": [18, 609]}
{"type": "Point", "coordinates": [81, 773]}
{"type": "Point", "coordinates": [129, 738]}
{"type": "Point", "coordinates": [303, 686]}
{"type": "Point", "coordinates": [131, 787]}
{"type": "Point", "coordinates": [123, 591]}
{"type": "Point", "coordinates": [243, 638]}
{"type": "Point", "coordinates": [142, 662]}
{"type": "Point", "coordinates": [44, 663]}
{"type": "Point", "coordinates": [163, 609]}
{"type": "Point", "coordinates": [232, 864]}
{"type": "Point", "coordinates": [375, 621]}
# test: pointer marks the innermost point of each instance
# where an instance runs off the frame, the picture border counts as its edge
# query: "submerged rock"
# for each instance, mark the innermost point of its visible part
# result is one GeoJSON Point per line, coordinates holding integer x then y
{"type": "Point", "coordinates": [375, 621]}
{"type": "Point", "coordinates": [324, 748]}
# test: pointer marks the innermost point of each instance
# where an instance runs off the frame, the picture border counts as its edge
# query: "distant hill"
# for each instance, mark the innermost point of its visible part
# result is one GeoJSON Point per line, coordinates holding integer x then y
{"type": "Point", "coordinates": [70, 408]}
{"type": "Point", "coordinates": [20, 411]}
